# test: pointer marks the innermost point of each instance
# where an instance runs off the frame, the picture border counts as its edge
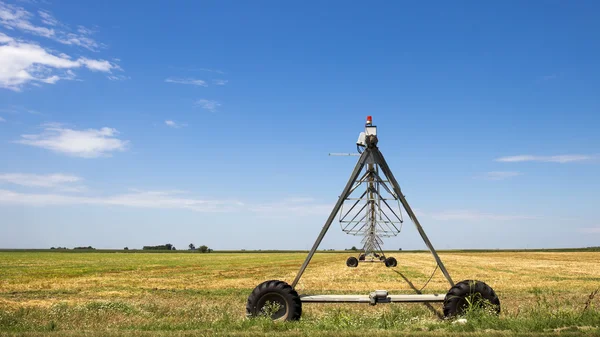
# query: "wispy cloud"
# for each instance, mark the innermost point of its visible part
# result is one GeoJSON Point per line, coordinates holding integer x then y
{"type": "Point", "coordinates": [500, 175]}
{"type": "Point", "coordinates": [62, 182]}
{"type": "Point", "coordinates": [14, 17]}
{"type": "Point", "coordinates": [24, 63]}
{"type": "Point", "coordinates": [174, 124]}
{"type": "Point", "coordinates": [287, 206]}
{"type": "Point", "coordinates": [590, 230]}
{"type": "Point", "coordinates": [16, 109]}
{"type": "Point", "coordinates": [118, 77]}
{"type": "Point", "coordinates": [140, 199]}
{"type": "Point", "coordinates": [174, 199]}
{"type": "Point", "coordinates": [475, 215]}
{"type": "Point", "coordinates": [169, 200]}
{"type": "Point", "coordinates": [17, 18]}
{"type": "Point", "coordinates": [566, 158]}
{"type": "Point", "coordinates": [209, 70]}
{"type": "Point", "coordinates": [220, 82]}
{"type": "Point", "coordinates": [88, 143]}
{"type": "Point", "coordinates": [47, 18]}
{"type": "Point", "coordinates": [190, 81]}
{"type": "Point", "coordinates": [208, 104]}
{"type": "Point", "coordinates": [2, 120]}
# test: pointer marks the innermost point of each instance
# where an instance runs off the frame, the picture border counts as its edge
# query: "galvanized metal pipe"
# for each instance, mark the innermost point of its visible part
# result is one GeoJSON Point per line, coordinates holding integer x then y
{"type": "Point", "coordinates": [412, 298]}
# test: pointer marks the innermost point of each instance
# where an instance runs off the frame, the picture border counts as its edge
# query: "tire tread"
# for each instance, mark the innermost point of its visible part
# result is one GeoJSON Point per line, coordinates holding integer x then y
{"type": "Point", "coordinates": [291, 297]}
{"type": "Point", "coordinates": [465, 288]}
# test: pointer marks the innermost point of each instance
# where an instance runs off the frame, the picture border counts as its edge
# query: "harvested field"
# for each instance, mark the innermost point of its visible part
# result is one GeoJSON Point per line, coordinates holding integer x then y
{"type": "Point", "coordinates": [155, 294]}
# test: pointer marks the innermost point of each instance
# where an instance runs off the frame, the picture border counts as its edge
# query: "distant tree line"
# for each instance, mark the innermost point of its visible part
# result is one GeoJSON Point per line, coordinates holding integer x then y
{"type": "Point", "coordinates": [167, 246]}
{"type": "Point", "coordinates": [65, 248]}
{"type": "Point", "coordinates": [201, 249]}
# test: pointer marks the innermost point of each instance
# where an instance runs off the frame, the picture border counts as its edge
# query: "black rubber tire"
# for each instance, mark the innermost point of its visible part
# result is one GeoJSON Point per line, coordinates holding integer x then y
{"type": "Point", "coordinates": [361, 257]}
{"type": "Point", "coordinates": [391, 262]}
{"type": "Point", "coordinates": [352, 262]}
{"type": "Point", "coordinates": [455, 301]}
{"type": "Point", "coordinates": [290, 306]}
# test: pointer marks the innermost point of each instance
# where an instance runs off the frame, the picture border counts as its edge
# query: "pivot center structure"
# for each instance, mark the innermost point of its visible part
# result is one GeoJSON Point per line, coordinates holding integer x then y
{"type": "Point", "coordinates": [373, 214]}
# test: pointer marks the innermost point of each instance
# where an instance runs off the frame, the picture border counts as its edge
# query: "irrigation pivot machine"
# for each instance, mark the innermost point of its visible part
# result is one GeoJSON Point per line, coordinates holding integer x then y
{"type": "Point", "coordinates": [373, 199]}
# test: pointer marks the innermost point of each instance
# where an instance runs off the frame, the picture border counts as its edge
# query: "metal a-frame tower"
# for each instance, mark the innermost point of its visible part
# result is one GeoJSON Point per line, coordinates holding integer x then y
{"type": "Point", "coordinates": [376, 218]}
{"type": "Point", "coordinates": [376, 221]}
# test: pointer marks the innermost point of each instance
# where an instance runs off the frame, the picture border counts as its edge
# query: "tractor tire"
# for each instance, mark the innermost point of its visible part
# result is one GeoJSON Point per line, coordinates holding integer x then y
{"type": "Point", "coordinates": [274, 292]}
{"type": "Point", "coordinates": [361, 257]}
{"type": "Point", "coordinates": [469, 291]}
{"type": "Point", "coordinates": [391, 262]}
{"type": "Point", "coordinates": [352, 262]}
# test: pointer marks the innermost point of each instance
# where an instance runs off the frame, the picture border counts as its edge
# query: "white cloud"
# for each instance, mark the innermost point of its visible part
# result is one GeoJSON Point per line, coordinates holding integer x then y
{"type": "Point", "coordinates": [22, 63]}
{"type": "Point", "coordinates": [118, 77]}
{"type": "Point", "coordinates": [174, 124]}
{"type": "Point", "coordinates": [190, 81]}
{"type": "Point", "coordinates": [567, 158]}
{"type": "Point", "coordinates": [14, 17]}
{"type": "Point", "coordinates": [98, 65]}
{"type": "Point", "coordinates": [89, 143]}
{"type": "Point", "coordinates": [63, 182]}
{"type": "Point", "coordinates": [17, 18]}
{"type": "Point", "coordinates": [220, 82]}
{"type": "Point", "coordinates": [5, 38]}
{"type": "Point", "coordinates": [84, 31]}
{"type": "Point", "coordinates": [78, 40]}
{"type": "Point", "coordinates": [208, 104]}
{"type": "Point", "coordinates": [500, 175]}
{"type": "Point", "coordinates": [47, 18]}
{"type": "Point", "coordinates": [141, 199]}
{"type": "Point", "coordinates": [475, 215]}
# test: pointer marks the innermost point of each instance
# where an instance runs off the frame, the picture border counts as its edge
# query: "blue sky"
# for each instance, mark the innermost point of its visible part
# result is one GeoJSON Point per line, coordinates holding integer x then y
{"type": "Point", "coordinates": [211, 122]}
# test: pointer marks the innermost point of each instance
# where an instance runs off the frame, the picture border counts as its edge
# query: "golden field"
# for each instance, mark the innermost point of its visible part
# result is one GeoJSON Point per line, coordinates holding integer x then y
{"type": "Point", "coordinates": [137, 293]}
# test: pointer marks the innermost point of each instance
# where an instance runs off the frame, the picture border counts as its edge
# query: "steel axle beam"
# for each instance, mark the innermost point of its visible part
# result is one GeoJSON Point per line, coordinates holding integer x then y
{"type": "Point", "coordinates": [371, 299]}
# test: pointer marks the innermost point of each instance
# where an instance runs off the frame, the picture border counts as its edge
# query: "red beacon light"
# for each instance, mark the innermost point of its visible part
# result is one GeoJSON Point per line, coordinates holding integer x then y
{"type": "Point", "coordinates": [370, 130]}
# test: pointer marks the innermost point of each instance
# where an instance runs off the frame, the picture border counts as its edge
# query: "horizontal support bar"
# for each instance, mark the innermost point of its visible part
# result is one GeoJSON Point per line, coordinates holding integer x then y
{"type": "Point", "coordinates": [414, 298]}
{"type": "Point", "coordinates": [377, 221]}
{"type": "Point", "coordinates": [370, 199]}
{"type": "Point", "coordinates": [371, 259]}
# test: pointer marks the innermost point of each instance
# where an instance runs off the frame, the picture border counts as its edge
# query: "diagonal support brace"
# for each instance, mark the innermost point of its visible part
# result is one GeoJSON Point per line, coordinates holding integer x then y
{"type": "Point", "coordinates": [357, 169]}
{"type": "Point", "coordinates": [378, 157]}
